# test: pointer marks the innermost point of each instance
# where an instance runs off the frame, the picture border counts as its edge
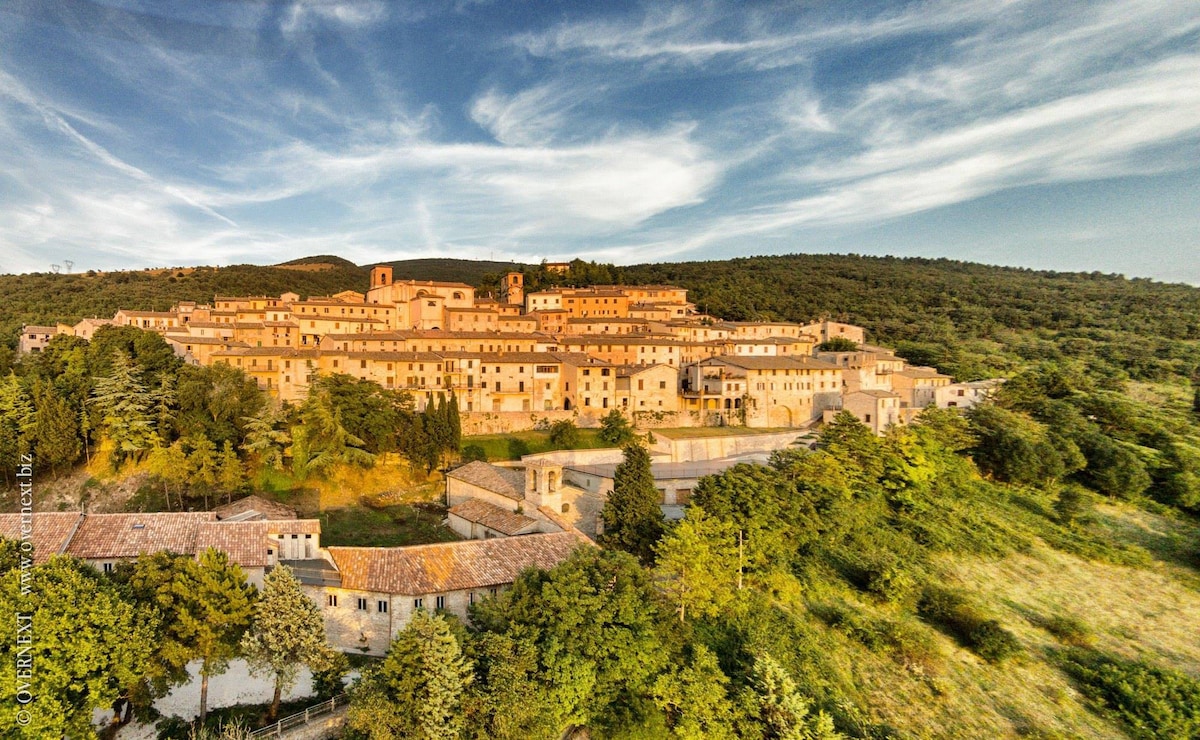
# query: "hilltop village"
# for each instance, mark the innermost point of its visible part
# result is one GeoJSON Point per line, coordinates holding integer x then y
{"type": "Point", "coordinates": [562, 353]}
{"type": "Point", "coordinates": [511, 362]}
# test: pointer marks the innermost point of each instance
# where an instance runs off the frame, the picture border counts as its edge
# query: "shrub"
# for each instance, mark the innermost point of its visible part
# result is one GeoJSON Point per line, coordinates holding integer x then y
{"type": "Point", "coordinates": [471, 453]}
{"type": "Point", "coordinates": [951, 610]}
{"type": "Point", "coordinates": [1074, 503]}
{"type": "Point", "coordinates": [1069, 630]}
{"type": "Point", "coordinates": [1154, 702]}
{"type": "Point", "coordinates": [564, 434]}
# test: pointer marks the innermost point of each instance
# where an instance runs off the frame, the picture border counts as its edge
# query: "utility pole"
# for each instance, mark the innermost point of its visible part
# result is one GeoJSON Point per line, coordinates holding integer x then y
{"type": "Point", "coordinates": [739, 588]}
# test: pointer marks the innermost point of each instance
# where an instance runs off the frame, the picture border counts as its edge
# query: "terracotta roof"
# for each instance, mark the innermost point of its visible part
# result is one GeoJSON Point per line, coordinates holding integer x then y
{"type": "Point", "coordinates": [264, 508]}
{"type": "Point", "coordinates": [247, 543]}
{"type": "Point", "coordinates": [503, 481]}
{"type": "Point", "coordinates": [50, 531]}
{"type": "Point", "coordinates": [492, 516]}
{"type": "Point", "coordinates": [102, 536]}
{"type": "Point", "coordinates": [450, 566]}
{"type": "Point", "coordinates": [776, 362]}
{"type": "Point", "coordinates": [39, 329]}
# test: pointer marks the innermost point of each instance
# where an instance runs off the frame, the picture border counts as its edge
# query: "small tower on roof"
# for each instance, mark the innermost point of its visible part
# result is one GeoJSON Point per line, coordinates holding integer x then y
{"type": "Point", "coordinates": [512, 291]}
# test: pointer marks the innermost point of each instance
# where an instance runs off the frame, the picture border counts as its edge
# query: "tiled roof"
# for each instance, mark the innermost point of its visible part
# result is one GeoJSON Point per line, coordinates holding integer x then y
{"type": "Point", "coordinates": [265, 508]}
{"type": "Point", "coordinates": [450, 566]}
{"type": "Point", "coordinates": [50, 531]}
{"type": "Point", "coordinates": [39, 329]}
{"type": "Point", "coordinates": [776, 362]}
{"type": "Point", "coordinates": [129, 535]}
{"type": "Point", "coordinates": [503, 481]}
{"type": "Point", "coordinates": [492, 516]}
{"type": "Point", "coordinates": [247, 543]}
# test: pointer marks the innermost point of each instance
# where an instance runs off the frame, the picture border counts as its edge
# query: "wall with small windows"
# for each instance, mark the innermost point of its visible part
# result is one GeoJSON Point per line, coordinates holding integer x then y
{"type": "Point", "coordinates": [355, 620]}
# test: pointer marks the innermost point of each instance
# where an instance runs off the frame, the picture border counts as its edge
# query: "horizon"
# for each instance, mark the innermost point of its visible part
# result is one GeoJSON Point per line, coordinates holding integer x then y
{"type": "Point", "coordinates": [1046, 136]}
{"type": "Point", "coordinates": [369, 264]}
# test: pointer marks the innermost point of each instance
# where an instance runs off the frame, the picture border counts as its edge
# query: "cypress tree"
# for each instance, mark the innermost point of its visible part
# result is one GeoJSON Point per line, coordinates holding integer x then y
{"type": "Point", "coordinates": [632, 516]}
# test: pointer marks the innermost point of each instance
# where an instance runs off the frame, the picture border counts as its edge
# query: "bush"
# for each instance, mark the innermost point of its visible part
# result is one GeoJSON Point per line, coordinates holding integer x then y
{"type": "Point", "coordinates": [1069, 630]}
{"type": "Point", "coordinates": [951, 611]}
{"type": "Point", "coordinates": [564, 434]}
{"type": "Point", "coordinates": [1154, 702]}
{"type": "Point", "coordinates": [1074, 503]}
{"type": "Point", "coordinates": [471, 453]}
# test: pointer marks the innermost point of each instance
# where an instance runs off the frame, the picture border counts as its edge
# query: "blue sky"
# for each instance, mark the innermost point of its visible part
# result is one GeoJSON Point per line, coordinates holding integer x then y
{"type": "Point", "coordinates": [1045, 133]}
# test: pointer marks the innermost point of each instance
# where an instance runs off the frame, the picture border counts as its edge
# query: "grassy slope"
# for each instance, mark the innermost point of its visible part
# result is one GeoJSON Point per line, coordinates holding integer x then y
{"type": "Point", "coordinates": [1138, 612]}
{"type": "Point", "coordinates": [513, 446]}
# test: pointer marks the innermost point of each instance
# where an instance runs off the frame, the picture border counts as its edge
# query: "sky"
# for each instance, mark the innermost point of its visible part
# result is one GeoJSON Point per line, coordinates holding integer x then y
{"type": "Point", "coordinates": [1049, 134]}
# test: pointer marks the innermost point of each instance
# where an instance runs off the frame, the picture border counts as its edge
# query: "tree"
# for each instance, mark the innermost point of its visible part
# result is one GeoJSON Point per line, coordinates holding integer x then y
{"type": "Point", "coordinates": [564, 434]}
{"type": "Point", "coordinates": [16, 424]}
{"type": "Point", "coordinates": [417, 691]}
{"type": "Point", "coordinates": [287, 631]}
{"type": "Point", "coordinates": [615, 429]}
{"type": "Point", "coordinates": [322, 441]}
{"type": "Point", "coordinates": [126, 409]}
{"type": "Point", "coordinates": [594, 622]}
{"type": "Point", "coordinates": [55, 432]}
{"type": "Point", "coordinates": [749, 498]}
{"type": "Point", "coordinates": [632, 515]}
{"type": "Point", "coordinates": [170, 466]}
{"type": "Point", "coordinates": [697, 564]}
{"type": "Point", "coordinates": [838, 344]}
{"type": "Point", "coordinates": [205, 606]}
{"type": "Point", "coordinates": [265, 440]}
{"type": "Point", "coordinates": [777, 707]}
{"type": "Point", "coordinates": [87, 644]}
{"type": "Point", "coordinates": [231, 476]}
{"type": "Point", "coordinates": [695, 698]}
{"type": "Point", "coordinates": [508, 699]}
{"type": "Point", "coordinates": [202, 464]}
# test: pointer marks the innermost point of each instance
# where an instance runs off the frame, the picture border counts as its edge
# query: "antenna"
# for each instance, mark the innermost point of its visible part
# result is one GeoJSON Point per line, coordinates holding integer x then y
{"type": "Point", "coordinates": [55, 268]}
{"type": "Point", "coordinates": [68, 264]}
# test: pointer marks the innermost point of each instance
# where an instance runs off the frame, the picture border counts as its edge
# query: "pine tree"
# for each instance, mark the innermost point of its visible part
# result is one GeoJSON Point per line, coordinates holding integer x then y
{"type": "Point", "coordinates": [288, 631]}
{"type": "Point", "coordinates": [632, 515]}
{"type": "Point", "coordinates": [16, 424]}
{"type": "Point", "coordinates": [264, 440]}
{"type": "Point", "coordinates": [202, 465]}
{"type": "Point", "coordinates": [164, 407]}
{"type": "Point", "coordinates": [214, 606]}
{"type": "Point", "coordinates": [56, 436]}
{"type": "Point", "coordinates": [697, 565]}
{"type": "Point", "coordinates": [322, 441]}
{"type": "Point", "coordinates": [126, 409]}
{"type": "Point", "coordinates": [780, 710]}
{"type": "Point", "coordinates": [418, 689]}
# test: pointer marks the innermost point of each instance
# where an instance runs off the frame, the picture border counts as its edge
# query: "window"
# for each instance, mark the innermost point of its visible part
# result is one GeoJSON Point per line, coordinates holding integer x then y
{"type": "Point", "coordinates": [471, 598]}
{"type": "Point", "coordinates": [108, 567]}
{"type": "Point", "coordinates": [440, 602]}
{"type": "Point", "coordinates": [362, 604]}
{"type": "Point", "coordinates": [331, 600]}
{"type": "Point", "coordinates": [418, 603]}
{"type": "Point", "coordinates": [381, 606]}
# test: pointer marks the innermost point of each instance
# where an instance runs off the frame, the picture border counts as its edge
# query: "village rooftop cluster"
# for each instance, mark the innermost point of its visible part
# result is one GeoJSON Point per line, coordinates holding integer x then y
{"type": "Point", "coordinates": [561, 353]}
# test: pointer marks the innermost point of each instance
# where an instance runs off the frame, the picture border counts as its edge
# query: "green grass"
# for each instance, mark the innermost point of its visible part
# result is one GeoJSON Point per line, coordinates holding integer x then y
{"type": "Point", "coordinates": [388, 526]}
{"type": "Point", "coordinates": [513, 446]}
